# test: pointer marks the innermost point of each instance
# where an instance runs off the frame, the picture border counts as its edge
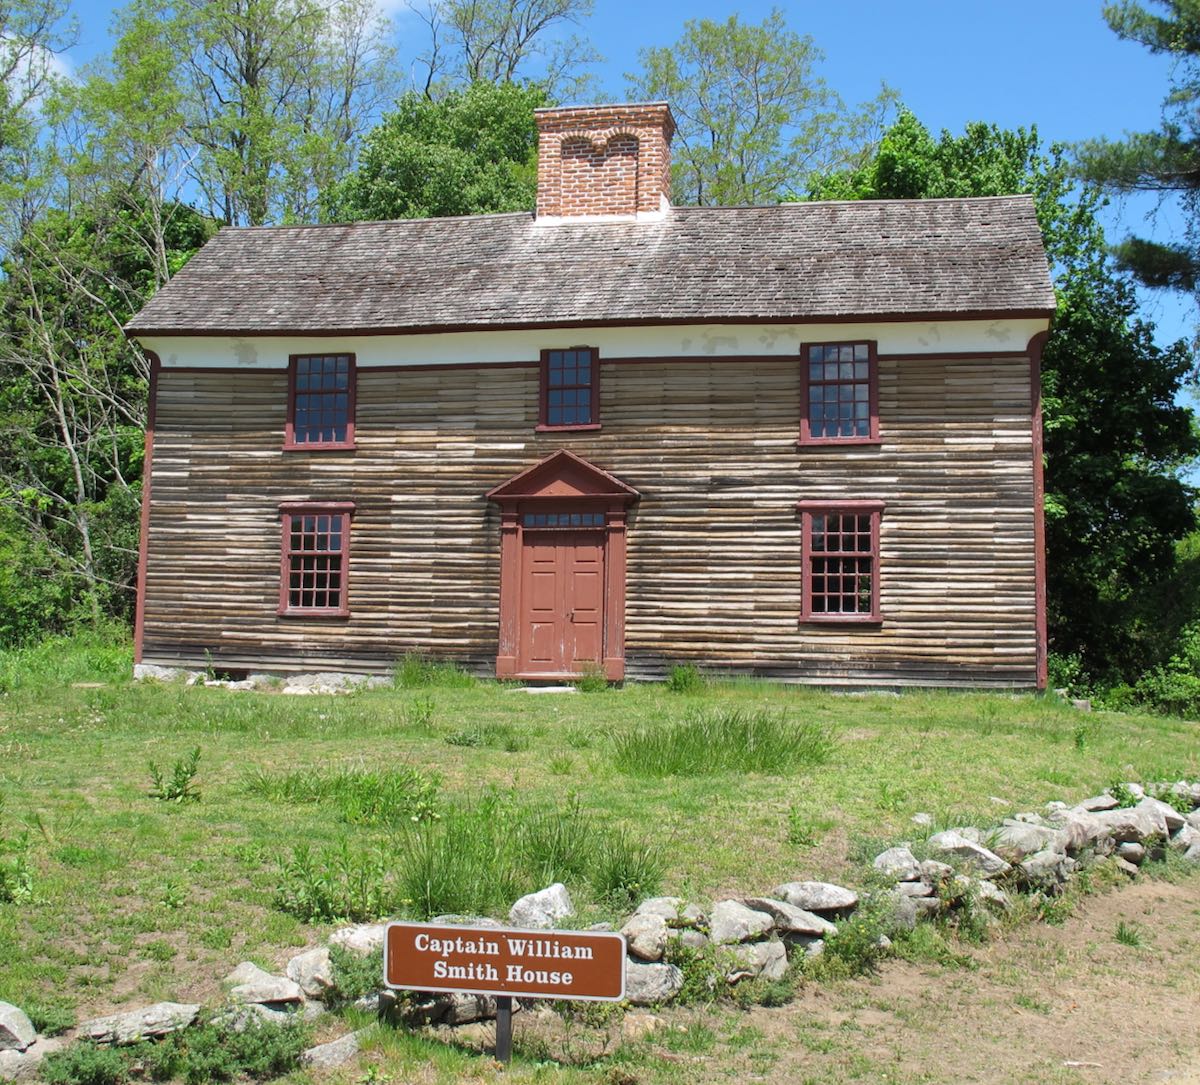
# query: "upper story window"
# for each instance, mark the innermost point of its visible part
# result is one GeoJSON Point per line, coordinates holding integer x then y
{"type": "Point", "coordinates": [320, 401]}
{"type": "Point", "coordinates": [840, 542]}
{"type": "Point", "coordinates": [841, 393]}
{"type": "Point", "coordinates": [570, 389]}
{"type": "Point", "coordinates": [315, 559]}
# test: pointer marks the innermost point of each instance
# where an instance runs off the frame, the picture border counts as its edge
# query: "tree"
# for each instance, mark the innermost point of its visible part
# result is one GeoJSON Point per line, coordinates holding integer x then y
{"type": "Point", "coordinates": [507, 41]}
{"type": "Point", "coordinates": [1165, 162]}
{"type": "Point", "coordinates": [469, 153]}
{"type": "Point", "coordinates": [1115, 439]}
{"type": "Point", "coordinates": [269, 98]}
{"type": "Point", "coordinates": [755, 119]}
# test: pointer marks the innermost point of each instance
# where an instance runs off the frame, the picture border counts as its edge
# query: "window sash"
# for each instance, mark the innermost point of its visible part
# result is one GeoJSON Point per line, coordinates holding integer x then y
{"type": "Point", "coordinates": [840, 393]}
{"type": "Point", "coordinates": [569, 393]}
{"type": "Point", "coordinates": [315, 560]}
{"type": "Point", "coordinates": [322, 395]}
{"type": "Point", "coordinates": [840, 561]}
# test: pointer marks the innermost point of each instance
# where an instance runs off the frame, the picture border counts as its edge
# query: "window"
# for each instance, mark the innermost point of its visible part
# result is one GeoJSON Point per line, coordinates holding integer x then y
{"type": "Point", "coordinates": [320, 401]}
{"type": "Point", "coordinates": [562, 519]}
{"type": "Point", "coordinates": [316, 559]}
{"type": "Point", "coordinates": [840, 397]}
{"type": "Point", "coordinates": [841, 561]}
{"type": "Point", "coordinates": [570, 392]}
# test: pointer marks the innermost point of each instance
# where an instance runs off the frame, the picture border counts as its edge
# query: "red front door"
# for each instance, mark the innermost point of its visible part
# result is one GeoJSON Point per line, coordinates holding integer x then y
{"type": "Point", "coordinates": [562, 589]}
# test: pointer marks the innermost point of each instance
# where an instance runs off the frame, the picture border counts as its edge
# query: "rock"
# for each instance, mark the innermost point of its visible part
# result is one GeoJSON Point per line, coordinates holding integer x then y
{"type": "Point", "coordinates": [817, 897]}
{"type": "Point", "coordinates": [646, 936]}
{"type": "Point", "coordinates": [1132, 853]}
{"type": "Point", "coordinates": [1097, 804]}
{"type": "Point", "coordinates": [1081, 704]}
{"type": "Point", "coordinates": [1055, 807]}
{"type": "Point", "coordinates": [1133, 823]}
{"type": "Point", "coordinates": [1172, 818]}
{"type": "Point", "coordinates": [1185, 838]}
{"type": "Point", "coordinates": [462, 1009]}
{"type": "Point", "coordinates": [16, 1030]}
{"type": "Point", "coordinates": [470, 921]}
{"type": "Point", "coordinates": [134, 1025]}
{"type": "Point", "coordinates": [637, 1026]}
{"type": "Point", "coordinates": [690, 937]}
{"type": "Point", "coordinates": [1082, 830]}
{"type": "Point", "coordinates": [732, 922]}
{"type": "Point", "coordinates": [334, 1053]}
{"type": "Point", "coordinates": [603, 927]}
{"type": "Point", "coordinates": [992, 894]}
{"type": "Point", "coordinates": [924, 820]}
{"type": "Point", "coordinates": [542, 909]}
{"type": "Point", "coordinates": [312, 971]}
{"type": "Point", "coordinates": [1193, 819]}
{"type": "Point", "coordinates": [666, 908]}
{"type": "Point", "coordinates": [968, 853]}
{"type": "Point", "coordinates": [1022, 839]}
{"type": "Point", "coordinates": [789, 919]}
{"type": "Point", "coordinates": [933, 872]}
{"type": "Point", "coordinates": [692, 915]}
{"type": "Point", "coordinates": [1046, 870]}
{"type": "Point", "coordinates": [1028, 817]}
{"type": "Point", "coordinates": [1136, 790]}
{"type": "Point", "coordinates": [648, 984]}
{"type": "Point", "coordinates": [898, 863]}
{"type": "Point", "coordinates": [914, 889]}
{"type": "Point", "coordinates": [1192, 855]}
{"type": "Point", "coordinates": [765, 959]}
{"type": "Point", "coordinates": [362, 939]}
{"type": "Point", "coordinates": [238, 1018]}
{"type": "Point", "coordinates": [1125, 866]}
{"type": "Point", "coordinates": [904, 912]}
{"type": "Point", "coordinates": [143, 671]}
{"type": "Point", "coordinates": [811, 947]}
{"type": "Point", "coordinates": [249, 983]}
{"type": "Point", "coordinates": [23, 1065]}
{"type": "Point", "coordinates": [369, 1003]}
{"type": "Point", "coordinates": [969, 832]}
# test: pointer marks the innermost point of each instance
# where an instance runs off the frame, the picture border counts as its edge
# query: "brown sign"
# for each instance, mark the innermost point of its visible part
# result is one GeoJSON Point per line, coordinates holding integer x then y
{"type": "Point", "coordinates": [490, 961]}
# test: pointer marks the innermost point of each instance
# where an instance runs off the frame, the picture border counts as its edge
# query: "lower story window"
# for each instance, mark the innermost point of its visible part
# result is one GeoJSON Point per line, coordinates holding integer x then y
{"type": "Point", "coordinates": [315, 558]}
{"type": "Point", "coordinates": [840, 541]}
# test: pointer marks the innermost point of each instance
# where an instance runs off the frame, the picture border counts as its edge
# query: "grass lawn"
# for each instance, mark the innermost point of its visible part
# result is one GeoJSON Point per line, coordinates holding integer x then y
{"type": "Point", "coordinates": [137, 899]}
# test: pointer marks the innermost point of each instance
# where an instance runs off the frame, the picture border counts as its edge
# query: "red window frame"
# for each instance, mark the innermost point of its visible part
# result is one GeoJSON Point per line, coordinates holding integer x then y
{"type": "Point", "coordinates": [593, 386]}
{"type": "Point", "coordinates": [810, 555]}
{"type": "Point", "coordinates": [290, 443]}
{"type": "Point", "coordinates": [808, 385]}
{"type": "Point", "coordinates": [291, 511]}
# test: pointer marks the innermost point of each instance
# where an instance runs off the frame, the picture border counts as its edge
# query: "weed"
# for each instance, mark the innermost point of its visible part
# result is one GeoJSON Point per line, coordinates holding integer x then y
{"type": "Point", "coordinates": [891, 797]}
{"type": "Point", "coordinates": [727, 740]}
{"type": "Point", "coordinates": [1028, 1002]}
{"type": "Point", "coordinates": [181, 786]}
{"type": "Point", "coordinates": [341, 883]}
{"type": "Point", "coordinates": [419, 714]}
{"type": "Point", "coordinates": [465, 738]}
{"type": "Point", "coordinates": [87, 1064]}
{"type": "Point", "coordinates": [627, 869]}
{"type": "Point", "coordinates": [1080, 733]}
{"type": "Point", "coordinates": [859, 943]}
{"type": "Point", "coordinates": [218, 937]}
{"type": "Point", "coordinates": [592, 680]}
{"type": "Point", "coordinates": [355, 975]}
{"type": "Point", "coordinates": [561, 764]}
{"type": "Point", "coordinates": [1123, 793]}
{"type": "Point", "coordinates": [761, 991]}
{"type": "Point", "coordinates": [159, 950]}
{"type": "Point", "coordinates": [703, 970]}
{"type": "Point", "coordinates": [173, 894]}
{"type": "Point", "coordinates": [496, 736]}
{"type": "Point", "coordinates": [16, 875]}
{"type": "Point", "coordinates": [686, 678]}
{"type": "Point", "coordinates": [213, 1053]}
{"type": "Point", "coordinates": [415, 671]}
{"type": "Point", "coordinates": [1129, 934]}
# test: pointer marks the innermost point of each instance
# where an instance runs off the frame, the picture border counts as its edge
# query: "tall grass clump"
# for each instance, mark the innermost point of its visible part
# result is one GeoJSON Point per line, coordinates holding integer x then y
{"type": "Point", "coordinates": [723, 740]}
{"type": "Point", "coordinates": [361, 796]}
{"type": "Point", "coordinates": [686, 678]}
{"type": "Point", "coordinates": [415, 671]}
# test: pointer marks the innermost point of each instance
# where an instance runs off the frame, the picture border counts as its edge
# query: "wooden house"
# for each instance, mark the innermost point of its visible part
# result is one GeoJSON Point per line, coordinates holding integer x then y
{"type": "Point", "coordinates": [802, 441]}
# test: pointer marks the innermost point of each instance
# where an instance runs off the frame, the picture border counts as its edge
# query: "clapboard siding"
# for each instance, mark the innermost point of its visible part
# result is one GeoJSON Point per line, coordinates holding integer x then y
{"type": "Point", "coordinates": [714, 544]}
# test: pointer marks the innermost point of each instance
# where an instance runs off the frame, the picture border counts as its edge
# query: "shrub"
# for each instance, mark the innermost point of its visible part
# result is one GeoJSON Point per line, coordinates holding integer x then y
{"type": "Point", "coordinates": [728, 740]}
{"type": "Point", "coordinates": [209, 1052]}
{"type": "Point", "coordinates": [858, 944]}
{"type": "Point", "coordinates": [180, 786]}
{"type": "Point", "coordinates": [593, 680]}
{"type": "Point", "coordinates": [685, 678]}
{"type": "Point", "coordinates": [355, 975]}
{"type": "Point", "coordinates": [87, 1064]}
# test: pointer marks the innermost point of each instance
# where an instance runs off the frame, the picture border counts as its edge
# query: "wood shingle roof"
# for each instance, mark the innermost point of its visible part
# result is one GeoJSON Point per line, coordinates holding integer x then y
{"type": "Point", "coordinates": [789, 263]}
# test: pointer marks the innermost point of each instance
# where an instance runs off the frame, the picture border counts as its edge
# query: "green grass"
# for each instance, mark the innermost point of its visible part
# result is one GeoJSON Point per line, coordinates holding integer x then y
{"type": "Point", "coordinates": [735, 787]}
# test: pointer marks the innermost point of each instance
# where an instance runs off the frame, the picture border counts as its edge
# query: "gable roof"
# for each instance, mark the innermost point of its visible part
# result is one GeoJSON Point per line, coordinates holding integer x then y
{"type": "Point", "coordinates": [890, 259]}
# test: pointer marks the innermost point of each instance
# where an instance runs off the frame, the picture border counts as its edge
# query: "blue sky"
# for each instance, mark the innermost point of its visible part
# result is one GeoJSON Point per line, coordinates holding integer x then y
{"type": "Point", "coordinates": [1053, 63]}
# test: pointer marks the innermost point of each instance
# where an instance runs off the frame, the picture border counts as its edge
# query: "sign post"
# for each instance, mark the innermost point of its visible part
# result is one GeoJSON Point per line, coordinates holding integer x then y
{"type": "Point", "coordinates": [504, 962]}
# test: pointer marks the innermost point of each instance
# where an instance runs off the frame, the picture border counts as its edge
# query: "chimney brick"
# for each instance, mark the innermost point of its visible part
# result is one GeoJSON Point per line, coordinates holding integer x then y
{"type": "Point", "coordinates": [604, 160]}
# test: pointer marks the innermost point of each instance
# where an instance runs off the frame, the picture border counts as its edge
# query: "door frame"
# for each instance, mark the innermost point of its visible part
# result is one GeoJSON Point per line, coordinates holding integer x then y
{"type": "Point", "coordinates": [562, 483]}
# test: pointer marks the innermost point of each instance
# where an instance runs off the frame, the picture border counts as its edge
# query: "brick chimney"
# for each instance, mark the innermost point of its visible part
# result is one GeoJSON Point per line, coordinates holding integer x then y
{"type": "Point", "coordinates": [604, 160]}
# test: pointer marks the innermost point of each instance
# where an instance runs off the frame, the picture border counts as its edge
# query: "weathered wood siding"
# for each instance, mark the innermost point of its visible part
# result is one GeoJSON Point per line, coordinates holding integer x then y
{"type": "Point", "coordinates": [714, 545]}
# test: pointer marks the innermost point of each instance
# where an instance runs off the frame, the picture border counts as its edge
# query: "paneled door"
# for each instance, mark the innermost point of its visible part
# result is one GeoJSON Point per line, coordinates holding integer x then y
{"type": "Point", "coordinates": [562, 592]}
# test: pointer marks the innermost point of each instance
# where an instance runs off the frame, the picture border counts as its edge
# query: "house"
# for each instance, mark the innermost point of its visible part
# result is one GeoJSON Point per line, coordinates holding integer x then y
{"type": "Point", "coordinates": [802, 441]}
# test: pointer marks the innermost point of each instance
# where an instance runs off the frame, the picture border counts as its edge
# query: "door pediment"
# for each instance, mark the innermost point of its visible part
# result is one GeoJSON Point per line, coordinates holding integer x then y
{"type": "Point", "coordinates": [563, 475]}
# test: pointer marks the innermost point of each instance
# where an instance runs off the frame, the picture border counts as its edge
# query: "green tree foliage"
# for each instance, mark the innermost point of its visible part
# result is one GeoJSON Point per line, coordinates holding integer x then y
{"type": "Point", "coordinates": [755, 118]}
{"type": "Point", "coordinates": [470, 152]}
{"type": "Point", "coordinates": [1166, 161]}
{"type": "Point", "coordinates": [1114, 436]}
